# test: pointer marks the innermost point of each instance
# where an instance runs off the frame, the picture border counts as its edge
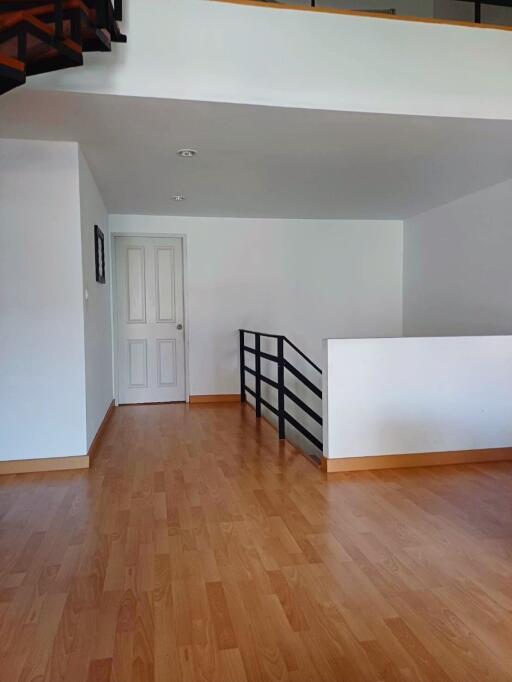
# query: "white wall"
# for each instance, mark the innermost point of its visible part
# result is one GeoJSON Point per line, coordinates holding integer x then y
{"type": "Point", "coordinates": [97, 312]}
{"type": "Point", "coordinates": [306, 279]}
{"type": "Point", "coordinates": [457, 266]}
{"type": "Point", "coordinates": [411, 395]}
{"type": "Point", "coordinates": [42, 373]}
{"type": "Point", "coordinates": [212, 51]}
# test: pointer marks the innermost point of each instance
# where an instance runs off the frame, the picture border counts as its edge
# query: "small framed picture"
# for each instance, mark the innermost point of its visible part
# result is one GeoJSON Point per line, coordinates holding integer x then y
{"type": "Point", "coordinates": [99, 254]}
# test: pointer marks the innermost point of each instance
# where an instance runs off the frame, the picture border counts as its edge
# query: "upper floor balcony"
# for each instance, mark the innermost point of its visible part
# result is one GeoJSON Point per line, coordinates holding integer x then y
{"type": "Point", "coordinates": [438, 62]}
{"type": "Point", "coordinates": [493, 13]}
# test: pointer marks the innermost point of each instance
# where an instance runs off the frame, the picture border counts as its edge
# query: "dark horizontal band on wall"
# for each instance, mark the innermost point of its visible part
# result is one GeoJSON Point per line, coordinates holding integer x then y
{"type": "Point", "coordinates": [220, 398]}
{"type": "Point", "coordinates": [368, 13]}
{"type": "Point", "coordinates": [421, 459]}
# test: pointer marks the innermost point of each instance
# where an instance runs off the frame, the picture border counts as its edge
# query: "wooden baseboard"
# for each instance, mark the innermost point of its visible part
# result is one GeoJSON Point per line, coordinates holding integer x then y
{"type": "Point", "coordinates": [99, 434]}
{"type": "Point", "coordinates": [421, 459]}
{"type": "Point", "coordinates": [30, 466]}
{"type": "Point", "coordinates": [221, 398]}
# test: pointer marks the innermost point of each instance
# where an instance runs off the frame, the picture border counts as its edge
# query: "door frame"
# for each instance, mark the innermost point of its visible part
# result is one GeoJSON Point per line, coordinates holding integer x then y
{"type": "Point", "coordinates": [113, 302]}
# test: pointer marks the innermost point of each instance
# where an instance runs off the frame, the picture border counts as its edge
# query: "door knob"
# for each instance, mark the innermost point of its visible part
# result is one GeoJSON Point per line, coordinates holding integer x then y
{"type": "Point", "coordinates": [179, 326]}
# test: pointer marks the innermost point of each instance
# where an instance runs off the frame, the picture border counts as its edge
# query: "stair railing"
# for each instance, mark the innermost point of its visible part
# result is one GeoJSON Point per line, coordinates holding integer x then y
{"type": "Point", "coordinates": [59, 19]}
{"type": "Point", "coordinates": [283, 391]}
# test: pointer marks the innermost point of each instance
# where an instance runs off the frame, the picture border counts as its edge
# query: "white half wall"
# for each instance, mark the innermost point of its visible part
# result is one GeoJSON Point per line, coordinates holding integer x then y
{"type": "Point", "coordinates": [218, 52]}
{"type": "Point", "coordinates": [306, 279]}
{"type": "Point", "coordinates": [457, 266]}
{"type": "Point", "coordinates": [42, 367]}
{"type": "Point", "coordinates": [97, 311]}
{"type": "Point", "coordinates": [412, 395]}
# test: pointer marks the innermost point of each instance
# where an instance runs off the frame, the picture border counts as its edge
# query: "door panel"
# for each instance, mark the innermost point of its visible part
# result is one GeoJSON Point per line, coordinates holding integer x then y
{"type": "Point", "coordinates": [149, 301]}
{"type": "Point", "coordinates": [136, 285]}
{"type": "Point", "coordinates": [166, 359]}
{"type": "Point", "coordinates": [137, 363]}
{"type": "Point", "coordinates": [165, 266]}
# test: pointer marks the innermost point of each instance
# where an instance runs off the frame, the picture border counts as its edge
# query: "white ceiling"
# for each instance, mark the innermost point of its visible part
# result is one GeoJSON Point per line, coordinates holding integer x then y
{"type": "Point", "coordinates": [258, 161]}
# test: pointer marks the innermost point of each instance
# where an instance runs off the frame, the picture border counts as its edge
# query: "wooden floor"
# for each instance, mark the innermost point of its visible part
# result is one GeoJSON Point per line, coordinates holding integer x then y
{"type": "Point", "coordinates": [198, 549]}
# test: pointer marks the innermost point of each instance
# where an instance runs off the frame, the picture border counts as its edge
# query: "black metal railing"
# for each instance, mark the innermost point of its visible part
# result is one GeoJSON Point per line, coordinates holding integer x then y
{"type": "Point", "coordinates": [284, 366]}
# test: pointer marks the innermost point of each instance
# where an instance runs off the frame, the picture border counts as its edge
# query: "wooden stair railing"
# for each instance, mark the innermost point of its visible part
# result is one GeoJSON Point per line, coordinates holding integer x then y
{"type": "Point", "coordinates": [38, 36]}
{"type": "Point", "coordinates": [12, 73]}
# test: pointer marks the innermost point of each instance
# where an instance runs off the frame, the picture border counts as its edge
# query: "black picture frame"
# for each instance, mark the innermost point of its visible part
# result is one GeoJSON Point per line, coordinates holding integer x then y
{"type": "Point", "coordinates": [99, 254]}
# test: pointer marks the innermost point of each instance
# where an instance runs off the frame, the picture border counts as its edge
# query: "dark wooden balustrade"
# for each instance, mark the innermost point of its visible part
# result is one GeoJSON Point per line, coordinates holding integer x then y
{"type": "Point", "coordinates": [37, 36]}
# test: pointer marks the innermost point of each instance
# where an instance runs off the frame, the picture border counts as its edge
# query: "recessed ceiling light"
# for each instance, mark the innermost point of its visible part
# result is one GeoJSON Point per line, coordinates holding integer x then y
{"type": "Point", "coordinates": [179, 197]}
{"type": "Point", "coordinates": [186, 153]}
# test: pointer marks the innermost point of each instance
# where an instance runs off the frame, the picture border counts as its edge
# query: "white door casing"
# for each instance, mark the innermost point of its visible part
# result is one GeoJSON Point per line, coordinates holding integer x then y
{"type": "Point", "coordinates": [150, 319]}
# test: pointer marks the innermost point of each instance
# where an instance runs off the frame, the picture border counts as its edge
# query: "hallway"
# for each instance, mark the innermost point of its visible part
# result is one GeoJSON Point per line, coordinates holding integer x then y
{"type": "Point", "coordinates": [198, 548]}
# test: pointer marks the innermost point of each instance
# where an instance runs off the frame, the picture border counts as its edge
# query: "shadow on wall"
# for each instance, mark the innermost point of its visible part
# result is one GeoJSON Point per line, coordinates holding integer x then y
{"type": "Point", "coordinates": [430, 434]}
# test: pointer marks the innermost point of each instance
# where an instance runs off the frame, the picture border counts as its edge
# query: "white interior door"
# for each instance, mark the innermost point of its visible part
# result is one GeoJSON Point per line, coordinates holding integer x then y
{"type": "Point", "coordinates": [150, 337]}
